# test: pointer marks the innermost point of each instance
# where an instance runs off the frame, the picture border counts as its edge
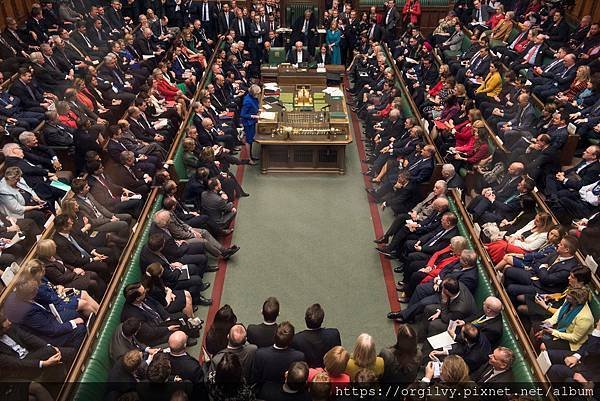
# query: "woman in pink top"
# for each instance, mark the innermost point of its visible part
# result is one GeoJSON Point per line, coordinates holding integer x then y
{"type": "Point", "coordinates": [335, 361]}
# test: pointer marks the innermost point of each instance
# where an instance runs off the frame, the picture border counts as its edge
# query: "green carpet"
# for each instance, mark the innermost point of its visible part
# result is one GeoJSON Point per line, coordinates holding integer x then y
{"type": "Point", "coordinates": [306, 239]}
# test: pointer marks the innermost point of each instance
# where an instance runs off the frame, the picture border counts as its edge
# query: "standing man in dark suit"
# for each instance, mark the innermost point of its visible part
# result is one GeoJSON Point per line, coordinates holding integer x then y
{"type": "Point", "coordinates": [391, 18]}
{"type": "Point", "coordinates": [225, 20]}
{"type": "Point", "coordinates": [315, 341]}
{"type": "Point", "coordinates": [263, 334]}
{"type": "Point", "coordinates": [208, 16]}
{"type": "Point", "coordinates": [26, 356]}
{"type": "Point", "coordinates": [304, 30]}
{"type": "Point", "coordinates": [241, 26]}
{"type": "Point", "coordinates": [236, 344]}
{"type": "Point", "coordinates": [270, 363]}
{"type": "Point", "coordinates": [498, 369]}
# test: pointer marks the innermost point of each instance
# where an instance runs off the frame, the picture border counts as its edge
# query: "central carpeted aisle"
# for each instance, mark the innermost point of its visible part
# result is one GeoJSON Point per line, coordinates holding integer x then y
{"type": "Point", "coordinates": [306, 239]}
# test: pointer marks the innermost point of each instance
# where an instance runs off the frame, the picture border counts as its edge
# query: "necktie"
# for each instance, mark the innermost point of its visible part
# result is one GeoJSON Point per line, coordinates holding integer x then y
{"type": "Point", "coordinates": [305, 27]}
{"type": "Point", "coordinates": [436, 237]}
{"type": "Point", "coordinates": [415, 165]}
{"type": "Point", "coordinates": [517, 40]}
{"type": "Point", "coordinates": [76, 49]}
{"type": "Point", "coordinates": [487, 376]}
{"type": "Point", "coordinates": [371, 31]}
{"type": "Point", "coordinates": [205, 12]}
{"type": "Point", "coordinates": [510, 199]}
{"type": "Point", "coordinates": [82, 251]}
{"type": "Point", "coordinates": [118, 77]}
{"type": "Point", "coordinates": [96, 211]}
{"type": "Point", "coordinates": [565, 72]}
{"type": "Point", "coordinates": [479, 320]}
{"type": "Point", "coordinates": [30, 92]}
{"type": "Point", "coordinates": [227, 20]}
{"type": "Point", "coordinates": [52, 62]}
{"type": "Point", "coordinates": [150, 311]}
{"type": "Point", "coordinates": [102, 181]}
{"type": "Point", "coordinates": [387, 17]}
{"type": "Point", "coordinates": [551, 65]}
{"type": "Point", "coordinates": [242, 27]}
{"type": "Point", "coordinates": [87, 41]}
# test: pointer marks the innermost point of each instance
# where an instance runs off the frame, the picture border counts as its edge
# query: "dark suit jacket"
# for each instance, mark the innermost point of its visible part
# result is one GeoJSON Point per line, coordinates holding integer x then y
{"type": "Point", "coordinates": [315, 344]}
{"type": "Point", "coordinates": [10, 363]}
{"type": "Point", "coordinates": [33, 175]}
{"type": "Point", "coordinates": [67, 251]}
{"type": "Point", "coordinates": [492, 328]}
{"type": "Point", "coordinates": [319, 59]}
{"type": "Point", "coordinates": [421, 172]}
{"type": "Point", "coordinates": [151, 332]}
{"type": "Point", "coordinates": [236, 27]}
{"type": "Point", "coordinates": [186, 367]}
{"type": "Point", "coordinates": [270, 364]}
{"type": "Point", "coordinates": [504, 377]}
{"type": "Point", "coordinates": [467, 277]}
{"type": "Point", "coordinates": [19, 90]}
{"type": "Point", "coordinates": [459, 308]}
{"type": "Point", "coordinates": [293, 56]}
{"type": "Point", "coordinates": [131, 179]}
{"type": "Point", "coordinates": [393, 19]}
{"type": "Point", "coordinates": [587, 175]}
{"type": "Point", "coordinates": [475, 355]}
{"type": "Point", "coordinates": [101, 193]}
{"type": "Point", "coordinates": [222, 22]}
{"type": "Point", "coordinates": [456, 182]}
{"type": "Point", "coordinates": [172, 251]}
{"type": "Point", "coordinates": [430, 248]}
{"type": "Point", "coordinates": [262, 335]}
{"type": "Point", "coordinates": [555, 278]}
{"type": "Point", "coordinates": [119, 345]}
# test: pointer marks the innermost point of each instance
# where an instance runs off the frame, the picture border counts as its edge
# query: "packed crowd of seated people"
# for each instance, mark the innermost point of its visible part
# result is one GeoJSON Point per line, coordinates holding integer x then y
{"type": "Point", "coordinates": [478, 104]}
{"type": "Point", "coordinates": [113, 82]}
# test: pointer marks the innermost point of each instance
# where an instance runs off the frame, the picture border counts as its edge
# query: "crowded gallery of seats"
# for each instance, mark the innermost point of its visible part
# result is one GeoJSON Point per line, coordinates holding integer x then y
{"type": "Point", "coordinates": [295, 200]}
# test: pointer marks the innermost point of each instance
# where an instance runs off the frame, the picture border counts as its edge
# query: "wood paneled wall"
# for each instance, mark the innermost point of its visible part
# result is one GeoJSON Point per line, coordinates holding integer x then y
{"type": "Point", "coordinates": [586, 7]}
{"type": "Point", "coordinates": [18, 9]}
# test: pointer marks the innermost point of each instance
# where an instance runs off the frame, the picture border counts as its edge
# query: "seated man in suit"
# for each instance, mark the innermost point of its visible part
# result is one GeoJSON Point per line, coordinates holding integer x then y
{"type": "Point", "coordinates": [263, 334]}
{"type": "Point", "coordinates": [560, 82]}
{"type": "Point", "coordinates": [75, 251]}
{"type": "Point", "coordinates": [128, 174]}
{"type": "Point", "coordinates": [124, 339]}
{"type": "Point", "coordinates": [584, 173]}
{"type": "Point", "coordinates": [470, 345]}
{"type": "Point", "coordinates": [155, 328]}
{"type": "Point", "coordinates": [32, 98]}
{"type": "Point", "coordinates": [21, 309]}
{"type": "Point", "coordinates": [489, 321]}
{"type": "Point", "coordinates": [298, 55]}
{"type": "Point", "coordinates": [236, 344]}
{"type": "Point", "coordinates": [98, 216]}
{"type": "Point", "coordinates": [270, 363]}
{"type": "Point", "coordinates": [577, 205]}
{"type": "Point", "coordinates": [498, 369]}
{"type": "Point", "coordinates": [549, 275]}
{"type": "Point", "coordinates": [521, 125]}
{"type": "Point", "coordinates": [492, 207]}
{"type": "Point", "coordinates": [114, 197]}
{"type": "Point", "coordinates": [456, 302]}
{"type": "Point", "coordinates": [216, 206]}
{"type": "Point", "coordinates": [178, 250]}
{"type": "Point", "coordinates": [435, 240]}
{"type": "Point", "coordinates": [183, 364]}
{"type": "Point", "coordinates": [26, 356]}
{"type": "Point", "coordinates": [316, 340]}
{"type": "Point", "coordinates": [464, 271]}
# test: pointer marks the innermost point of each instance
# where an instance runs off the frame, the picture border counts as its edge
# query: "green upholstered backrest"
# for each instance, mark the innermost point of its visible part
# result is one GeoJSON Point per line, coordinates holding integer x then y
{"type": "Point", "coordinates": [277, 55]}
{"type": "Point", "coordinates": [92, 387]}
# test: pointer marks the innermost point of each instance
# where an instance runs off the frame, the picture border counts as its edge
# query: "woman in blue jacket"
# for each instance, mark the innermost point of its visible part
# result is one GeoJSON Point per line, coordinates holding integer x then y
{"type": "Point", "coordinates": [249, 115]}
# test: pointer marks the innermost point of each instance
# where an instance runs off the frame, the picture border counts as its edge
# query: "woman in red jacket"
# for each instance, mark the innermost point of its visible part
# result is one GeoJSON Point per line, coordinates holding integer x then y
{"type": "Point", "coordinates": [411, 12]}
{"type": "Point", "coordinates": [65, 116]}
{"type": "Point", "coordinates": [472, 153]}
{"type": "Point", "coordinates": [424, 271]}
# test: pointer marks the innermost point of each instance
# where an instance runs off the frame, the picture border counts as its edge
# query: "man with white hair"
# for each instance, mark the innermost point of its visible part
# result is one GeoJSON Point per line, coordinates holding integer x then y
{"type": "Point", "coordinates": [452, 179]}
{"type": "Point", "coordinates": [47, 76]}
{"type": "Point", "coordinates": [498, 369]}
{"type": "Point", "coordinates": [183, 364]}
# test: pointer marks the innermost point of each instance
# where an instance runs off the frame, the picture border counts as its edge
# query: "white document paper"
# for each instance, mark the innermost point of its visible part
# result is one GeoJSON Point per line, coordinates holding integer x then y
{"type": "Point", "coordinates": [411, 60]}
{"type": "Point", "coordinates": [543, 361]}
{"type": "Point", "coordinates": [441, 340]}
{"type": "Point", "coordinates": [268, 115]}
{"type": "Point", "coordinates": [147, 56]}
{"type": "Point", "coordinates": [7, 276]}
{"type": "Point", "coordinates": [267, 106]}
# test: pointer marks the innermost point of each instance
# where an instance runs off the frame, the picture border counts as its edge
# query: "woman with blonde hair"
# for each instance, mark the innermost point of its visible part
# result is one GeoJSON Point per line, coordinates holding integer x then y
{"type": "Point", "coordinates": [364, 356]}
{"type": "Point", "coordinates": [69, 302]}
{"type": "Point", "coordinates": [527, 239]}
{"type": "Point", "coordinates": [453, 375]}
{"type": "Point", "coordinates": [67, 276]}
{"type": "Point", "coordinates": [579, 84]}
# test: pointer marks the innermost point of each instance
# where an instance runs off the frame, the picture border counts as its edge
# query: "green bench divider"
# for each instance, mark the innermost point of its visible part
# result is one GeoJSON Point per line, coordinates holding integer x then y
{"type": "Point", "coordinates": [93, 379]}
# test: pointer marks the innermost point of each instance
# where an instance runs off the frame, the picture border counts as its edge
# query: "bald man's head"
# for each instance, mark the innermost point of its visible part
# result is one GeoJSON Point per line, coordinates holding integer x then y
{"type": "Point", "coordinates": [237, 335]}
{"type": "Point", "coordinates": [177, 342]}
{"type": "Point", "coordinates": [492, 306]}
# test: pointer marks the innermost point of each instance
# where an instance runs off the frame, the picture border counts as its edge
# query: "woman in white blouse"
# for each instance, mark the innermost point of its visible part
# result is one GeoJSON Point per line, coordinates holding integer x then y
{"type": "Point", "coordinates": [529, 238]}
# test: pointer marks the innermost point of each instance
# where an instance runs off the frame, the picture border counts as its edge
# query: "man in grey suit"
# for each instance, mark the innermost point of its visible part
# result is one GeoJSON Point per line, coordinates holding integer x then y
{"type": "Point", "coordinates": [98, 216]}
{"type": "Point", "coordinates": [236, 344]}
{"type": "Point", "coordinates": [215, 204]}
{"type": "Point", "coordinates": [521, 125]}
{"type": "Point", "coordinates": [454, 42]}
{"type": "Point", "coordinates": [124, 340]}
{"type": "Point", "coordinates": [457, 303]}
